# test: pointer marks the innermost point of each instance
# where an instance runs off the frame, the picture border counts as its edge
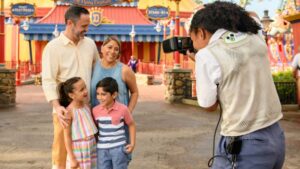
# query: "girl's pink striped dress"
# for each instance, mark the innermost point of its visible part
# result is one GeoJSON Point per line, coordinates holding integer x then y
{"type": "Point", "coordinates": [83, 140]}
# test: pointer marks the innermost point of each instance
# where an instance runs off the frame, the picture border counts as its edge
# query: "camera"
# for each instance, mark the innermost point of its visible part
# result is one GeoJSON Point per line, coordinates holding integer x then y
{"type": "Point", "coordinates": [180, 44]}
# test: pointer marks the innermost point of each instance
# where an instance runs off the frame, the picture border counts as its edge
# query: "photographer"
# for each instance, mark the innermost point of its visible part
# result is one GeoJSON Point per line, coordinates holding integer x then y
{"type": "Point", "coordinates": [232, 71]}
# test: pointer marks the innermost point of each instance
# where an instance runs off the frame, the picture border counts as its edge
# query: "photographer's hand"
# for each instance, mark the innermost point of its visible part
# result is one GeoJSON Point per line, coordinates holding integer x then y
{"type": "Point", "coordinates": [190, 55]}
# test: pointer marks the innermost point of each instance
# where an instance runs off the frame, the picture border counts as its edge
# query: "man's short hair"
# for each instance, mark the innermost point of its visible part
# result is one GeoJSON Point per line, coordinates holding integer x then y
{"type": "Point", "coordinates": [74, 13]}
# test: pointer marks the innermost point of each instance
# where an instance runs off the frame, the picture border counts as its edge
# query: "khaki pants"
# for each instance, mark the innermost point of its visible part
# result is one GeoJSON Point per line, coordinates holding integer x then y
{"type": "Point", "coordinates": [59, 152]}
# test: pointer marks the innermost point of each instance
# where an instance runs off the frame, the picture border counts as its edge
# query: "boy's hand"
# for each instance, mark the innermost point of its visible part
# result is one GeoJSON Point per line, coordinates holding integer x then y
{"type": "Point", "coordinates": [129, 148]}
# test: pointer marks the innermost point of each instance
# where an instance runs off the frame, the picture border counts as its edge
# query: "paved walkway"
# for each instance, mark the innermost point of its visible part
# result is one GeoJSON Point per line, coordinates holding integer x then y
{"type": "Point", "coordinates": [168, 136]}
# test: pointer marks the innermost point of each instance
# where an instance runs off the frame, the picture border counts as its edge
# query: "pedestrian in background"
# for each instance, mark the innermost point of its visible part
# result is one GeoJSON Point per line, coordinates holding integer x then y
{"type": "Point", "coordinates": [69, 55]}
{"type": "Point", "coordinates": [133, 63]}
{"type": "Point", "coordinates": [79, 134]}
{"type": "Point", "coordinates": [232, 71]}
{"type": "Point", "coordinates": [296, 73]}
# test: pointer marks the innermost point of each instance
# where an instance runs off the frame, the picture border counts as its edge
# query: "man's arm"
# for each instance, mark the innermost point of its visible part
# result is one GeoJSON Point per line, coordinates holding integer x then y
{"type": "Point", "coordinates": [49, 78]}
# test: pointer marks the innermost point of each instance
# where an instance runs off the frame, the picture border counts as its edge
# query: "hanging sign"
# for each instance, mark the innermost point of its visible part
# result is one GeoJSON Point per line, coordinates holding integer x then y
{"type": "Point", "coordinates": [92, 2]}
{"type": "Point", "coordinates": [22, 9]}
{"type": "Point", "coordinates": [158, 12]}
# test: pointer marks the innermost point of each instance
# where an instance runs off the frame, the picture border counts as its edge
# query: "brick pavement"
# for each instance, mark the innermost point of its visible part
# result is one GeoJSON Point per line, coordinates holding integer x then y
{"type": "Point", "coordinates": [168, 136]}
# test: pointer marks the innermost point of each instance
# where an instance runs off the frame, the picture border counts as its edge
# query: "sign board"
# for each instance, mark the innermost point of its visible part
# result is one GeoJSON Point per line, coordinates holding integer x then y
{"type": "Point", "coordinates": [22, 9]}
{"type": "Point", "coordinates": [158, 12]}
{"type": "Point", "coordinates": [96, 16]}
{"type": "Point", "coordinates": [92, 2]}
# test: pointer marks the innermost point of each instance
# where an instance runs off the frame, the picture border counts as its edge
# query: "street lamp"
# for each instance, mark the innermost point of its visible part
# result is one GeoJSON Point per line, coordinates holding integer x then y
{"type": "Point", "coordinates": [132, 35]}
{"type": "Point", "coordinates": [157, 27]}
{"type": "Point", "coordinates": [266, 20]}
{"type": "Point", "coordinates": [171, 25]}
{"type": "Point", "coordinates": [55, 32]}
{"type": "Point", "coordinates": [25, 25]}
{"type": "Point", "coordinates": [177, 30]}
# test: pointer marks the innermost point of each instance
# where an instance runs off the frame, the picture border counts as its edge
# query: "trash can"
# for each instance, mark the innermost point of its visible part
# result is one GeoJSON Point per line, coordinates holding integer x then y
{"type": "Point", "coordinates": [150, 79]}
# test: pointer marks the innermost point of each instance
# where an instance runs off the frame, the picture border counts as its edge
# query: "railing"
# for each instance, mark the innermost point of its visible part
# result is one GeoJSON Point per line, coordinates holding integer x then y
{"type": "Point", "coordinates": [26, 70]}
{"type": "Point", "coordinates": [287, 91]}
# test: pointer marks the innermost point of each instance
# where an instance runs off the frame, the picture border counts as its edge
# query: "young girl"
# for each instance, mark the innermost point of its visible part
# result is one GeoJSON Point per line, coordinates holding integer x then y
{"type": "Point", "coordinates": [111, 117]}
{"type": "Point", "coordinates": [79, 134]}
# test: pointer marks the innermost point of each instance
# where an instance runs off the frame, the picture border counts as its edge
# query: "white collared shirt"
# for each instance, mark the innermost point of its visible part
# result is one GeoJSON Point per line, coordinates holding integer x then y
{"type": "Point", "coordinates": [208, 73]}
{"type": "Point", "coordinates": [62, 59]}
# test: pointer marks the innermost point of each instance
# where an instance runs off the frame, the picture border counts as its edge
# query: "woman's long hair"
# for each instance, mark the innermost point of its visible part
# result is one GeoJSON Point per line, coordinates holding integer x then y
{"type": "Point", "coordinates": [224, 15]}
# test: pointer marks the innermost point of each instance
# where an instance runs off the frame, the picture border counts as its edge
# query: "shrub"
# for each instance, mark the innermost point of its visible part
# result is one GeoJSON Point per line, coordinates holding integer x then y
{"type": "Point", "coordinates": [285, 86]}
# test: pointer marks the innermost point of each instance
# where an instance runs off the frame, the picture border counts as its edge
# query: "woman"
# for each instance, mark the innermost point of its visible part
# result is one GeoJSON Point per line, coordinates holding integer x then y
{"type": "Point", "coordinates": [232, 71]}
{"type": "Point", "coordinates": [110, 66]}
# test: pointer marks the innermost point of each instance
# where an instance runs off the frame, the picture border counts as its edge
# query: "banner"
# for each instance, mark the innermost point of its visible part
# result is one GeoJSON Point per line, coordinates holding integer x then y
{"type": "Point", "coordinates": [93, 2]}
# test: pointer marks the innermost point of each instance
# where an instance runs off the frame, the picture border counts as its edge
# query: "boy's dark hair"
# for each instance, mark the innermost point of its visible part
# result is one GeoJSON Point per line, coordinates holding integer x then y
{"type": "Point", "coordinates": [64, 89]}
{"type": "Point", "coordinates": [108, 84]}
{"type": "Point", "coordinates": [74, 13]}
{"type": "Point", "coordinates": [224, 15]}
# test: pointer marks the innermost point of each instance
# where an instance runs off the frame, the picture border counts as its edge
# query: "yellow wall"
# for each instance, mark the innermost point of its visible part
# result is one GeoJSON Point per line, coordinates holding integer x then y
{"type": "Point", "coordinates": [38, 3]}
{"type": "Point", "coordinates": [8, 42]}
{"type": "Point", "coordinates": [146, 52]}
{"type": "Point", "coordinates": [23, 46]}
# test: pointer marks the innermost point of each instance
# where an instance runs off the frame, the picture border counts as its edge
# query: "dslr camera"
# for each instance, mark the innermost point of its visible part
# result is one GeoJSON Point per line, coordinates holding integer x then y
{"type": "Point", "coordinates": [180, 44]}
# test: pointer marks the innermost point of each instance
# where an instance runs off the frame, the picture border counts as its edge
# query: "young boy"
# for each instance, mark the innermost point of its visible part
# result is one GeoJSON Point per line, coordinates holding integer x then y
{"type": "Point", "coordinates": [111, 117]}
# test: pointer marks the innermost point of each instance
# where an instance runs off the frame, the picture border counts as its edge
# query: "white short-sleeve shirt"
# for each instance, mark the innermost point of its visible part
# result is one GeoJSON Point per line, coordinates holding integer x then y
{"type": "Point", "coordinates": [208, 73]}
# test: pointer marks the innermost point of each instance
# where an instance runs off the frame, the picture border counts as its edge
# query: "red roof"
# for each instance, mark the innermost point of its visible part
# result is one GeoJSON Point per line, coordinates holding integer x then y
{"type": "Point", "coordinates": [117, 15]}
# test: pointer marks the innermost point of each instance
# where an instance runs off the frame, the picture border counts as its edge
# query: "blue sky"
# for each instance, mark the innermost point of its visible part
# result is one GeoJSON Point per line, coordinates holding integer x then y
{"type": "Point", "coordinates": [260, 5]}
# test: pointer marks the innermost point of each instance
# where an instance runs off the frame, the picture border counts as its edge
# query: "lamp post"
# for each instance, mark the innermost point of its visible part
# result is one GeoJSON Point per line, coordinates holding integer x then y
{"type": "Point", "coordinates": [266, 20]}
{"type": "Point", "coordinates": [177, 30]}
{"type": "Point", "coordinates": [55, 32]}
{"type": "Point", "coordinates": [132, 35]}
{"type": "Point", "coordinates": [18, 74]}
{"type": "Point", "coordinates": [2, 34]}
{"type": "Point", "coordinates": [158, 29]}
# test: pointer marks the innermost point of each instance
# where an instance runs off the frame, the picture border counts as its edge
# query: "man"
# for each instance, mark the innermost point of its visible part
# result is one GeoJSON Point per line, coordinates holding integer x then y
{"type": "Point", "coordinates": [296, 73]}
{"type": "Point", "coordinates": [232, 71]}
{"type": "Point", "coordinates": [69, 55]}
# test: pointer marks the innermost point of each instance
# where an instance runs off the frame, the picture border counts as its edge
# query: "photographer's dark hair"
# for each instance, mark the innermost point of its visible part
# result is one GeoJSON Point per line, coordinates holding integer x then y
{"type": "Point", "coordinates": [74, 13]}
{"type": "Point", "coordinates": [224, 15]}
{"type": "Point", "coordinates": [64, 89]}
{"type": "Point", "coordinates": [108, 84]}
